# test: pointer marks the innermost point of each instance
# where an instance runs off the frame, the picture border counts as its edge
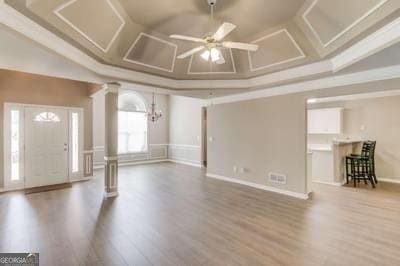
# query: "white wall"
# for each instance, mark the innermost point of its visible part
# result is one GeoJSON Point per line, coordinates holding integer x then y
{"type": "Point", "coordinates": [185, 129]}
{"type": "Point", "coordinates": [158, 131]}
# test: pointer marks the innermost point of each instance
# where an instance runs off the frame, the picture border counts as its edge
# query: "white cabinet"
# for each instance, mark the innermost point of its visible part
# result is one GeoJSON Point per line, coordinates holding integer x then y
{"type": "Point", "coordinates": [325, 121]}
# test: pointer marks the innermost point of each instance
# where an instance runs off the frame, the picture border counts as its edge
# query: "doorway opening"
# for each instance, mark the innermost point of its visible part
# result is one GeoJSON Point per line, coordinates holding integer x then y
{"type": "Point", "coordinates": [341, 126]}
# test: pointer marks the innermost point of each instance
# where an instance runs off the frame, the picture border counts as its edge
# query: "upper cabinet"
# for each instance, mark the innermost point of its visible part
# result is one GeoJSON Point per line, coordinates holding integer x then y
{"type": "Point", "coordinates": [325, 121]}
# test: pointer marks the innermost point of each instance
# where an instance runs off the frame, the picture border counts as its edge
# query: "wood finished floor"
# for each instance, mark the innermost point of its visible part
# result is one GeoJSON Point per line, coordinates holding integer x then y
{"type": "Point", "coordinates": [170, 214]}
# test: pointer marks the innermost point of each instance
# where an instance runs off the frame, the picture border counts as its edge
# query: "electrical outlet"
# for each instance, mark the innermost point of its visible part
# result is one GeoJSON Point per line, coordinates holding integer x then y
{"type": "Point", "coordinates": [242, 170]}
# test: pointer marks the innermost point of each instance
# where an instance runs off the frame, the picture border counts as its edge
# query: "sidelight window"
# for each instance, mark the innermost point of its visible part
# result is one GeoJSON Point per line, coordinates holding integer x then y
{"type": "Point", "coordinates": [15, 145]}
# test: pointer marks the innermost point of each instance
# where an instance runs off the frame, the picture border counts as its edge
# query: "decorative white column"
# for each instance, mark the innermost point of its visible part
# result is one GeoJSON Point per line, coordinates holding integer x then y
{"type": "Point", "coordinates": [111, 140]}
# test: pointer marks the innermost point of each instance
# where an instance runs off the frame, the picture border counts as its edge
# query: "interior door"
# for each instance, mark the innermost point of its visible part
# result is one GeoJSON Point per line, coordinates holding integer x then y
{"type": "Point", "coordinates": [46, 146]}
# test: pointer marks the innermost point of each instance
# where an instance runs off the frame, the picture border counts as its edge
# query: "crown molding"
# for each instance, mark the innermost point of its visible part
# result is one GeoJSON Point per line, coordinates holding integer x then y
{"type": "Point", "coordinates": [323, 83]}
{"type": "Point", "coordinates": [377, 41]}
{"type": "Point", "coordinates": [359, 96]}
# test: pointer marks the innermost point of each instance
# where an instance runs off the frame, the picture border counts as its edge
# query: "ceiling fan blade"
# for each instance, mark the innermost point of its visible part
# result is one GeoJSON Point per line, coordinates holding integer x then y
{"type": "Point", "coordinates": [223, 30]}
{"type": "Point", "coordinates": [186, 38]}
{"type": "Point", "coordinates": [221, 60]}
{"type": "Point", "coordinates": [190, 52]}
{"type": "Point", "coordinates": [241, 46]}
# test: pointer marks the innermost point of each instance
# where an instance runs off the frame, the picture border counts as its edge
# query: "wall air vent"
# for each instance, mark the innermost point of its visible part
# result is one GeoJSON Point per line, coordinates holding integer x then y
{"type": "Point", "coordinates": [277, 178]}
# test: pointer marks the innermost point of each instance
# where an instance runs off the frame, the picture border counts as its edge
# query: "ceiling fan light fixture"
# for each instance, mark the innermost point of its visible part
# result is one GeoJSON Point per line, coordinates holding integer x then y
{"type": "Point", "coordinates": [206, 55]}
{"type": "Point", "coordinates": [214, 54]}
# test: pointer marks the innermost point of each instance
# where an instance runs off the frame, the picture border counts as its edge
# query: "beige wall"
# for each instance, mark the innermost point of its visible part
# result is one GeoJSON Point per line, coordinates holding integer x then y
{"type": "Point", "coordinates": [185, 129]}
{"type": "Point", "coordinates": [380, 118]}
{"type": "Point", "coordinates": [263, 135]}
{"type": "Point", "coordinates": [18, 87]}
{"type": "Point", "coordinates": [185, 120]}
{"type": "Point", "coordinates": [269, 134]}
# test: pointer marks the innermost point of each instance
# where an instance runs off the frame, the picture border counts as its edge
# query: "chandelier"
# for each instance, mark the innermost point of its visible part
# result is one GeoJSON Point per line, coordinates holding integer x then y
{"type": "Point", "coordinates": [153, 115]}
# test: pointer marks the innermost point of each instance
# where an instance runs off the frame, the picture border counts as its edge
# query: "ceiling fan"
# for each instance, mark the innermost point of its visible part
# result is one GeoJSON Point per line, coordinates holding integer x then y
{"type": "Point", "coordinates": [212, 44]}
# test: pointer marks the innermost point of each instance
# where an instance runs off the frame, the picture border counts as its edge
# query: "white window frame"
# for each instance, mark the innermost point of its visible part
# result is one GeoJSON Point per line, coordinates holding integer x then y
{"type": "Point", "coordinates": [146, 105]}
{"type": "Point", "coordinates": [19, 184]}
{"type": "Point", "coordinates": [147, 133]}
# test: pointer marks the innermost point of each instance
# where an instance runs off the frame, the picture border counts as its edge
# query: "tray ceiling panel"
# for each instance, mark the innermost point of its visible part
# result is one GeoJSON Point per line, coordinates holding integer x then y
{"type": "Point", "coordinates": [153, 52]}
{"type": "Point", "coordinates": [193, 16]}
{"type": "Point", "coordinates": [329, 19]}
{"type": "Point", "coordinates": [134, 34]}
{"type": "Point", "coordinates": [79, 15]}
{"type": "Point", "coordinates": [275, 49]}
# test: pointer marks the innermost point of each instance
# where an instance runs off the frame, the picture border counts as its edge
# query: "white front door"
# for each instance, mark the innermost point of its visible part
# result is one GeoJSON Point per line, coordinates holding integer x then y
{"type": "Point", "coordinates": [46, 146]}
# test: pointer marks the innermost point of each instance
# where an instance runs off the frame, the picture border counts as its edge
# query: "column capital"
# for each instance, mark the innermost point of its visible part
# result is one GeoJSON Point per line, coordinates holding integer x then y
{"type": "Point", "coordinates": [111, 87]}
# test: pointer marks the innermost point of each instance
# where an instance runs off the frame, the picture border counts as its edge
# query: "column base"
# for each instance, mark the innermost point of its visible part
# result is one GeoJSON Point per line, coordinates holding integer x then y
{"type": "Point", "coordinates": [111, 177]}
{"type": "Point", "coordinates": [111, 194]}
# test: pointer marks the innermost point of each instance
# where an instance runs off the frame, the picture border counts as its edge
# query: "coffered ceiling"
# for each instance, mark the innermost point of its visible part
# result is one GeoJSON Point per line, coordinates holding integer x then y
{"type": "Point", "coordinates": [133, 34]}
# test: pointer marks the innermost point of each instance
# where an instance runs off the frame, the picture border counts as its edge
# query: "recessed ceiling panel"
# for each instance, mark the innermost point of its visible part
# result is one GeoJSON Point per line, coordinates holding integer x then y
{"type": "Point", "coordinates": [152, 52]}
{"type": "Point", "coordinates": [96, 20]}
{"type": "Point", "coordinates": [198, 65]}
{"type": "Point", "coordinates": [329, 20]}
{"type": "Point", "coordinates": [275, 49]}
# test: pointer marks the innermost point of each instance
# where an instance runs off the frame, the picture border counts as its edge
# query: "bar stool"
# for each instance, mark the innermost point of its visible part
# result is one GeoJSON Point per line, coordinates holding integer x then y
{"type": "Point", "coordinates": [362, 166]}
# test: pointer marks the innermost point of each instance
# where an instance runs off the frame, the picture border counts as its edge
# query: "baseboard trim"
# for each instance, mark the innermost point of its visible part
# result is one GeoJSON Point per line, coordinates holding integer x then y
{"type": "Point", "coordinates": [141, 162]}
{"type": "Point", "coordinates": [86, 178]}
{"type": "Point", "coordinates": [259, 186]}
{"type": "Point", "coordinates": [186, 163]}
{"type": "Point", "coordinates": [389, 180]}
{"type": "Point", "coordinates": [336, 184]}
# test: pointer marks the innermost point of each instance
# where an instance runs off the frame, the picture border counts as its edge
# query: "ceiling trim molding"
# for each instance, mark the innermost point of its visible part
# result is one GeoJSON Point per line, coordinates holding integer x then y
{"type": "Point", "coordinates": [170, 70]}
{"type": "Point", "coordinates": [340, 34]}
{"type": "Point", "coordinates": [324, 83]}
{"type": "Point", "coordinates": [58, 10]}
{"type": "Point", "coordinates": [27, 27]}
{"type": "Point", "coordinates": [301, 56]}
{"type": "Point", "coordinates": [189, 71]}
{"type": "Point", "coordinates": [359, 96]}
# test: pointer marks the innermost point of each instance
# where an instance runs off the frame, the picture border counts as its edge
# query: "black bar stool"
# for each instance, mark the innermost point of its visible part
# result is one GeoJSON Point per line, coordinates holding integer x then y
{"type": "Point", "coordinates": [362, 166]}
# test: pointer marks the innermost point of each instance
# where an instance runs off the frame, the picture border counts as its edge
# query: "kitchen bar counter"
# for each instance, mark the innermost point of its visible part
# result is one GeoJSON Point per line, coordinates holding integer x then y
{"type": "Point", "coordinates": [341, 149]}
{"type": "Point", "coordinates": [329, 160]}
